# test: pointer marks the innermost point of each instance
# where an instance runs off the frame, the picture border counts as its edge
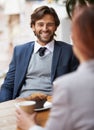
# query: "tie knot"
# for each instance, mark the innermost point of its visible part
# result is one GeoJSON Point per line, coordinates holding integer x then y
{"type": "Point", "coordinates": [42, 51]}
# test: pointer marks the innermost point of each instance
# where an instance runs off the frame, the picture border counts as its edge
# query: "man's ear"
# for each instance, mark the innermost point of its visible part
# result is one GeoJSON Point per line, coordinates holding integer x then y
{"type": "Point", "coordinates": [55, 28]}
{"type": "Point", "coordinates": [33, 27]}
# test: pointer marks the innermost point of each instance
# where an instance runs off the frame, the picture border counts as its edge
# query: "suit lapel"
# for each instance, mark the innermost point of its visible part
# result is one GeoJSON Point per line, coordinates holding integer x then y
{"type": "Point", "coordinates": [27, 56]}
{"type": "Point", "coordinates": [55, 59]}
{"type": "Point", "coordinates": [23, 66]}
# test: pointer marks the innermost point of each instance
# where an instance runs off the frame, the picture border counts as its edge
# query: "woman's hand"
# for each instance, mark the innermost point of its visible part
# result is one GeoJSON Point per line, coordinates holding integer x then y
{"type": "Point", "coordinates": [25, 121]}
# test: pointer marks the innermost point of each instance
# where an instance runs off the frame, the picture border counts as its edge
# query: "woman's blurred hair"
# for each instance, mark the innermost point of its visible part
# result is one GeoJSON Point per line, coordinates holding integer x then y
{"type": "Point", "coordinates": [83, 30]}
{"type": "Point", "coordinates": [71, 4]}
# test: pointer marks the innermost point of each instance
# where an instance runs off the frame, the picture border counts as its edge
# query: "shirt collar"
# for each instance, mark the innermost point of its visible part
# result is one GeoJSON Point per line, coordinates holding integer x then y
{"type": "Point", "coordinates": [49, 46]}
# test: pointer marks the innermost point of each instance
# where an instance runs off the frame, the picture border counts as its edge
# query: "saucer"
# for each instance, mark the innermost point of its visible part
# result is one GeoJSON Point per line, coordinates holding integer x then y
{"type": "Point", "coordinates": [41, 109]}
{"type": "Point", "coordinates": [47, 105]}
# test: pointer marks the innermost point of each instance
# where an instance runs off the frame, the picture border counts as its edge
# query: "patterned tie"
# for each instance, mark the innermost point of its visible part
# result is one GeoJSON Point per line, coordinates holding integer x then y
{"type": "Point", "coordinates": [42, 51]}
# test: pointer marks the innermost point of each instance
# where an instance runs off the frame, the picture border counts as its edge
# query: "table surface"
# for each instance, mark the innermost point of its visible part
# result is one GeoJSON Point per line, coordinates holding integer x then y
{"type": "Point", "coordinates": [8, 118]}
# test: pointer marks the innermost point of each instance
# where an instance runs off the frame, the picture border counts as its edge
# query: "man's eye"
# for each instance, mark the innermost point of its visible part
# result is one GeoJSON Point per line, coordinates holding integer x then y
{"type": "Point", "coordinates": [50, 24]}
{"type": "Point", "coordinates": [40, 24]}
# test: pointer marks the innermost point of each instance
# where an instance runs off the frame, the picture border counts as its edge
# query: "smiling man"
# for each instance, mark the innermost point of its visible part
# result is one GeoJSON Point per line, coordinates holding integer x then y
{"type": "Point", "coordinates": [35, 65]}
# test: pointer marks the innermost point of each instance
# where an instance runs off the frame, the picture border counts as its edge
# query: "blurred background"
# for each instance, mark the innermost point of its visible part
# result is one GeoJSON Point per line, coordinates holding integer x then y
{"type": "Point", "coordinates": [15, 26]}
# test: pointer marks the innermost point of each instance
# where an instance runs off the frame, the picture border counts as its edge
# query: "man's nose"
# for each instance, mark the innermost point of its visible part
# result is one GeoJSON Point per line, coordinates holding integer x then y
{"type": "Point", "coordinates": [45, 27]}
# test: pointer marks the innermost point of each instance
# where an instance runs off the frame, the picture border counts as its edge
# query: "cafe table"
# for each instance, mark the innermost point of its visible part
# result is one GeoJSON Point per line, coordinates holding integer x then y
{"type": "Point", "coordinates": [8, 118]}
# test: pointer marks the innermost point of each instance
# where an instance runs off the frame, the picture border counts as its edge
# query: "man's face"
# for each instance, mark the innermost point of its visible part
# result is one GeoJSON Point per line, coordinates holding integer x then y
{"type": "Point", "coordinates": [44, 29]}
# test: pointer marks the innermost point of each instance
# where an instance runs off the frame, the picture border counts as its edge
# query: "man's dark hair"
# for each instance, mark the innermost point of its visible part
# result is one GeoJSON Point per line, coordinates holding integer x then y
{"type": "Point", "coordinates": [40, 12]}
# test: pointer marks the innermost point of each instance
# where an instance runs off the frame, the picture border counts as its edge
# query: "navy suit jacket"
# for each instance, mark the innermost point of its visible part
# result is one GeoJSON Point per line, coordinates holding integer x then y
{"type": "Point", "coordinates": [63, 62]}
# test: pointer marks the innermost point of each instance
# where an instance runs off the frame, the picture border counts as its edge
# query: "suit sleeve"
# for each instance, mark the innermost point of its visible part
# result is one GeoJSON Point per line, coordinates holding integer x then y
{"type": "Point", "coordinates": [6, 91]}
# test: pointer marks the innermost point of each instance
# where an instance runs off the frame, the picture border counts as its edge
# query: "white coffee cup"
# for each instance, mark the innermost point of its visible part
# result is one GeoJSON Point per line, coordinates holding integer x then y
{"type": "Point", "coordinates": [27, 106]}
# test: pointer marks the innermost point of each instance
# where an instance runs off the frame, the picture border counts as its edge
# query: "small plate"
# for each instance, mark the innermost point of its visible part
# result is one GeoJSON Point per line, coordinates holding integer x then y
{"type": "Point", "coordinates": [47, 105]}
{"type": "Point", "coordinates": [41, 109]}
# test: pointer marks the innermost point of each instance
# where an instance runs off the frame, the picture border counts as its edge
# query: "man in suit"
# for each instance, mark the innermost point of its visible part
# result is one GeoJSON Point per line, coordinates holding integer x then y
{"type": "Point", "coordinates": [73, 103]}
{"type": "Point", "coordinates": [32, 70]}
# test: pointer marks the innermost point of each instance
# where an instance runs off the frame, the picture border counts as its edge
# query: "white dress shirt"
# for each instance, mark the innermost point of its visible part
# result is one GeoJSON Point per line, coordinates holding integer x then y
{"type": "Point", "coordinates": [49, 46]}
